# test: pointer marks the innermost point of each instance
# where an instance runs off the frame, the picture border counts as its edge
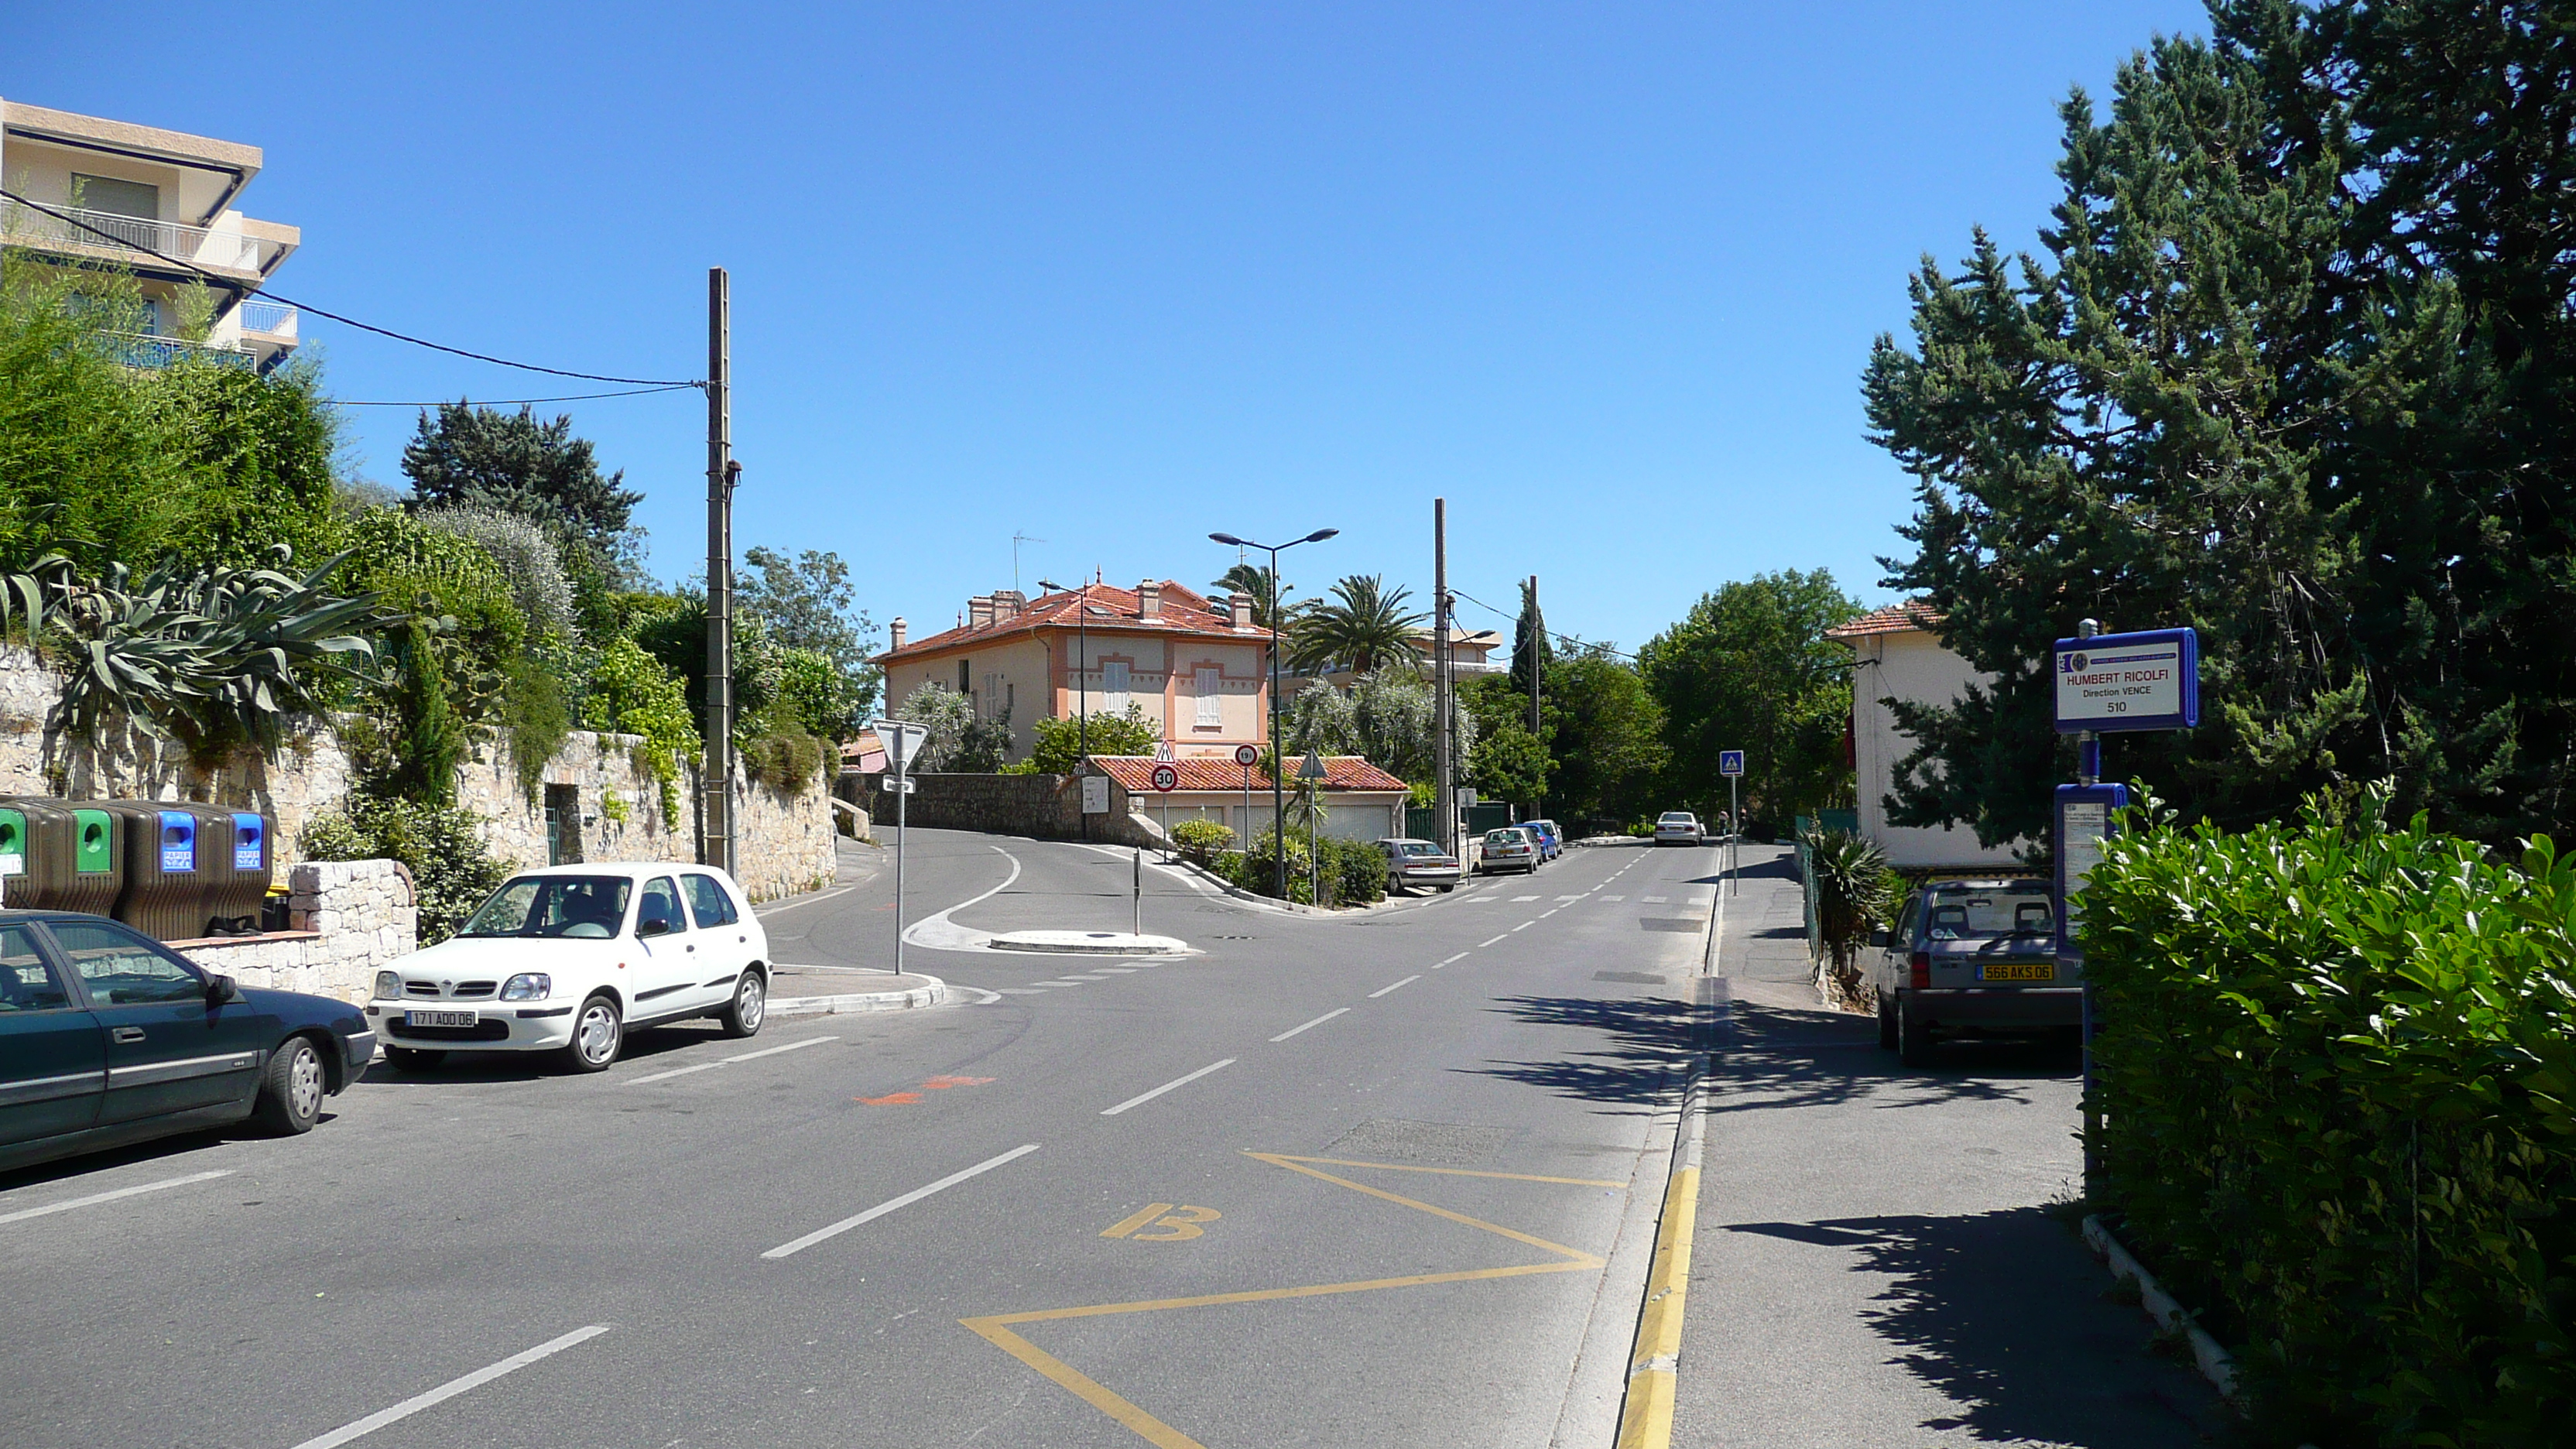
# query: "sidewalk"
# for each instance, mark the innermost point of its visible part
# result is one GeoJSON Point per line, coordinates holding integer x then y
{"type": "Point", "coordinates": [1876, 1260]}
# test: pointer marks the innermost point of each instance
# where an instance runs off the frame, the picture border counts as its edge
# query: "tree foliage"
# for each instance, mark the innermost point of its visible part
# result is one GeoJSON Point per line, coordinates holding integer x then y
{"type": "Point", "coordinates": [2296, 369]}
{"type": "Point", "coordinates": [1531, 650]}
{"type": "Point", "coordinates": [1059, 744]}
{"type": "Point", "coordinates": [1257, 581]}
{"type": "Point", "coordinates": [1366, 626]}
{"type": "Point", "coordinates": [1750, 668]}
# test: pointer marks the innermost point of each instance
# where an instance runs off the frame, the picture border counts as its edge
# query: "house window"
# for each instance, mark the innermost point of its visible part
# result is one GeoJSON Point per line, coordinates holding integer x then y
{"type": "Point", "coordinates": [1113, 683]}
{"type": "Point", "coordinates": [1211, 707]}
{"type": "Point", "coordinates": [963, 684]}
{"type": "Point", "coordinates": [117, 197]}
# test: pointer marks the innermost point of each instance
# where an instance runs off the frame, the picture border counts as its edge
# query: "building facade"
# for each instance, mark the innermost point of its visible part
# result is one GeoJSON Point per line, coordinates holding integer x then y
{"type": "Point", "coordinates": [1898, 654]}
{"type": "Point", "coordinates": [160, 204]}
{"type": "Point", "coordinates": [1194, 667]}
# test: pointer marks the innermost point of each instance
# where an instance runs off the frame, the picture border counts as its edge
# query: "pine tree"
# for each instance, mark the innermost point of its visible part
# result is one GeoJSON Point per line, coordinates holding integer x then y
{"type": "Point", "coordinates": [1530, 649]}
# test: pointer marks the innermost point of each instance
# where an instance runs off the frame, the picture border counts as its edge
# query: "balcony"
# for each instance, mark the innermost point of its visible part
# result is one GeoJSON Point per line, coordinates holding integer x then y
{"type": "Point", "coordinates": [268, 319]}
{"type": "Point", "coordinates": [134, 349]}
{"type": "Point", "coordinates": [133, 238]}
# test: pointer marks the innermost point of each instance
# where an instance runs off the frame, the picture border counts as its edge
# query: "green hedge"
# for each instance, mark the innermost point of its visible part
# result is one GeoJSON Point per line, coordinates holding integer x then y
{"type": "Point", "coordinates": [2335, 1075]}
{"type": "Point", "coordinates": [1353, 871]}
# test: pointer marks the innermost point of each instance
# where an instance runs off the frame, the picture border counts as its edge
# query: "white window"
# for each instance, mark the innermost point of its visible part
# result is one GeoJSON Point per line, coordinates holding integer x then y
{"type": "Point", "coordinates": [1113, 683]}
{"type": "Point", "coordinates": [1211, 706]}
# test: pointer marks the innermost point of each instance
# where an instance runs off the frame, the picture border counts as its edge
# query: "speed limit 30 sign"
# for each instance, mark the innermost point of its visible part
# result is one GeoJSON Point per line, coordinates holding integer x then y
{"type": "Point", "coordinates": [1165, 778]}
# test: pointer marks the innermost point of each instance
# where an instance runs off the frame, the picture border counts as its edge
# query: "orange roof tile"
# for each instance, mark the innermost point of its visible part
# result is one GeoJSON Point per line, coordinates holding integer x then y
{"type": "Point", "coordinates": [1103, 609]}
{"type": "Point", "coordinates": [1910, 616]}
{"type": "Point", "coordinates": [1341, 772]}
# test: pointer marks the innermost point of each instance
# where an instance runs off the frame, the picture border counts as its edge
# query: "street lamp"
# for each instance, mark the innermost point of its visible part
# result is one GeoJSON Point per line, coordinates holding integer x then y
{"type": "Point", "coordinates": [1081, 681]}
{"type": "Point", "coordinates": [1278, 762]}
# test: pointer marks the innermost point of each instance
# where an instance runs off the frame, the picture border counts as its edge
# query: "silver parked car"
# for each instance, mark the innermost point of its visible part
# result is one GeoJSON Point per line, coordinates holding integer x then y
{"type": "Point", "coordinates": [1679, 827]}
{"type": "Point", "coordinates": [1418, 863]}
{"type": "Point", "coordinates": [1973, 957]}
{"type": "Point", "coordinates": [1509, 847]}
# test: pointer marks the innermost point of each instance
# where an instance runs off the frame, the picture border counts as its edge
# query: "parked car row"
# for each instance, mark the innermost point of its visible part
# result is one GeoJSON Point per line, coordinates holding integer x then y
{"type": "Point", "coordinates": [109, 1037]}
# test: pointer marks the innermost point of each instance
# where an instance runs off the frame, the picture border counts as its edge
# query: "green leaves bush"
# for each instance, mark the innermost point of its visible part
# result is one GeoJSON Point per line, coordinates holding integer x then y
{"type": "Point", "coordinates": [633, 694]}
{"type": "Point", "coordinates": [2336, 1068]}
{"type": "Point", "coordinates": [441, 846]}
{"type": "Point", "coordinates": [1200, 840]}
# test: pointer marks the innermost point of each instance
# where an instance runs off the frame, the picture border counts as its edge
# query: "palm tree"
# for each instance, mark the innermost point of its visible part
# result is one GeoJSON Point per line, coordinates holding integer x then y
{"type": "Point", "coordinates": [1245, 578]}
{"type": "Point", "coordinates": [1369, 626]}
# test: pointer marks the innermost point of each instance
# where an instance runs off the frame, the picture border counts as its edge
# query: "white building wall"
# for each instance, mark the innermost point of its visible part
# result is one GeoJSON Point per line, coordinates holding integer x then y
{"type": "Point", "coordinates": [1910, 665]}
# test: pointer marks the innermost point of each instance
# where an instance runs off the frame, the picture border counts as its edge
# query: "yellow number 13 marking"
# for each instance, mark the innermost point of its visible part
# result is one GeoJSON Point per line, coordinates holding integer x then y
{"type": "Point", "coordinates": [1183, 1220]}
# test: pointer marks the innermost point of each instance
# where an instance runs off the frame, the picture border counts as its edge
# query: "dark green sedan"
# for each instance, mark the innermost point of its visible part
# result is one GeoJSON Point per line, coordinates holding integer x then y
{"type": "Point", "coordinates": [109, 1037]}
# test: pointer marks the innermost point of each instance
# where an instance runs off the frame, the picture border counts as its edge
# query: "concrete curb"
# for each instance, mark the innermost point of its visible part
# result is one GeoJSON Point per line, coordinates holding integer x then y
{"type": "Point", "coordinates": [1089, 943]}
{"type": "Point", "coordinates": [2215, 1363]}
{"type": "Point", "coordinates": [936, 993]}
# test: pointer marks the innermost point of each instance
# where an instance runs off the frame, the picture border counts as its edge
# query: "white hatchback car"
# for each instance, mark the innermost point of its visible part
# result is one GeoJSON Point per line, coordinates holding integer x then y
{"type": "Point", "coordinates": [1680, 827]}
{"type": "Point", "coordinates": [570, 958]}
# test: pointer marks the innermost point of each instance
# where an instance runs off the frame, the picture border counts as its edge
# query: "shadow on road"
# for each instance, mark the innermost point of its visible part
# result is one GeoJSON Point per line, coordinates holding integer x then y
{"type": "Point", "coordinates": [1641, 1062]}
{"type": "Point", "coordinates": [2005, 1314]}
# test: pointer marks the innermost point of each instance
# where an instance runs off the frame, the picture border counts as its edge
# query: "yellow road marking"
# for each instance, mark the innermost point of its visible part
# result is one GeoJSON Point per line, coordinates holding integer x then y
{"type": "Point", "coordinates": [1184, 1223]}
{"type": "Point", "coordinates": [1137, 1219]}
{"type": "Point", "coordinates": [996, 1328]}
{"type": "Point", "coordinates": [1646, 1421]}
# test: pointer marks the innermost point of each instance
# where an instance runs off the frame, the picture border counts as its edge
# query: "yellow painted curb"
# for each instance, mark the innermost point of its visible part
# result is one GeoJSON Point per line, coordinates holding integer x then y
{"type": "Point", "coordinates": [1646, 1418]}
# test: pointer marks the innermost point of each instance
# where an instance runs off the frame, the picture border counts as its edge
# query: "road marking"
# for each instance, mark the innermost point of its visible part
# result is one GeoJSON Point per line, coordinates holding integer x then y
{"type": "Point", "coordinates": [1318, 1021]}
{"type": "Point", "coordinates": [890, 1204]}
{"type": "Point", "coordinates": [1614, 898]}
{"type": "Point", "coordinates": [1086, 978]}
{"type": "Point", "coordinates": [1461, 956]}
{"type": "Point", "coordinates": [1167, 1086]}
{"type": "Point", "coordinates": [1058, 983]}
{"type": "Point", "coordinates": [1116, 970]}
{"type": "Point", "coordinates": [452, 1388]}
{"type": "Point", "coordinates": [1646, 1418]}
{"type": "Point", "coordinates": [728, 1061]}
{"type": "Point", "coordinates": [1523, 926]}
{"type": "Point", "coordinates": [1021, 990]}
{"type": "Point", "coordinates": [1543, 915]}
{"type": "Point", "coordinates": [22, 1214]}
{"type": "Point", "coordinates": [1574, 898]}
{"type": "Point", "coordinates": [1654, 900]}
{"type": "Point", "coordinates": [1183, 1228]}
{"type": "Point", "coordinates": [1481, 945]}
{"type": "Point", "coordinates": [1518, 899]}
{"type": "Point", "coordinates": [1383, 990]}
{"type": "Point", "coordinates": [810, 901]}
{"type": "Point", "coordinates": [1137, 1219]}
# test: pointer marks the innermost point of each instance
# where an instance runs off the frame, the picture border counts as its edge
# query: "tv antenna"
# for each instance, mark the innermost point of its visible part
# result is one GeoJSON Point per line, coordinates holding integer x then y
{"type": "Point", "coordinates": [1017, 539]}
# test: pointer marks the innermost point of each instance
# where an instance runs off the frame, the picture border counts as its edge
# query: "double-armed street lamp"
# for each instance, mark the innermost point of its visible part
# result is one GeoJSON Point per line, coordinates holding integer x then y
{"type": "Point", "coordinates": [1278, 762]}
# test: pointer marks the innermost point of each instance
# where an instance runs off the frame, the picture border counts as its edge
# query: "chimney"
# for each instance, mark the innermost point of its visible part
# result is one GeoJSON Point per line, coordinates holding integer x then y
{"type": "Point", "coordinates": [1239, 606]}
{"type": "Point", "coordinates": [1149, 600]}
{"type": "Point", "coordinates": [979, 611]}
{"type": "Point", "coordinates": [894, 634]}
{"type": "Point", "coordinates": [1007, 604]}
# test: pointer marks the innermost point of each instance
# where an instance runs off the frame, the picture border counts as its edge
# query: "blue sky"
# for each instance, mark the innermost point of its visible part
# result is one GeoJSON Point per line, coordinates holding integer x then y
{"type": "Point", "coordinates": [1118, 275]}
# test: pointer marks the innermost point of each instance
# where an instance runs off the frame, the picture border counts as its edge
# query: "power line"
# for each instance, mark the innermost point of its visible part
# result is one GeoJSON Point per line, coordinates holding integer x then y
{"type": "Point", "coordinates": [504, 402]}
{"type": "Point", "coordinates": [1567, 640]}
{"type": "Point", "coordinates": [658, 384]}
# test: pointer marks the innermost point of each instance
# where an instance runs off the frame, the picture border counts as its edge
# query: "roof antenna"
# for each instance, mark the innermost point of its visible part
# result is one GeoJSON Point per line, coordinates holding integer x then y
{"type": "Point", "coordinates": [1016, 540]}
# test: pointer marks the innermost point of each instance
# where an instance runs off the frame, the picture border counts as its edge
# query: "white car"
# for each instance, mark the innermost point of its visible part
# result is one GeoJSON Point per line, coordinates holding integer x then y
{"type": "Point", "coordinates": [571, 958]}
{"type": "Point", "coordinates": [1679, 827]}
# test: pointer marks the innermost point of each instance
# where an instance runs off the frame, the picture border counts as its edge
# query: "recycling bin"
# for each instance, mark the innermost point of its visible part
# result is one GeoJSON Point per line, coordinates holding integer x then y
{"type": "Point", "coordinates": [165, 869]}
{"type": "Point", "coordinates": [68, 856]}
{"type": "Point", "coordinates": [237, 869]}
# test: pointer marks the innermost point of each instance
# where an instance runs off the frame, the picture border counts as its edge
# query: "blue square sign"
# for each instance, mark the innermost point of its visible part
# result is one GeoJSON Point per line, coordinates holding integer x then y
{"type": "Point", "coordinates": [1730, 762]}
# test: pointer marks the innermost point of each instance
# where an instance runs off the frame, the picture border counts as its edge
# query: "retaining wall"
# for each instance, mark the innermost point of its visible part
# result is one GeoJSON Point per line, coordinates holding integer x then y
{"type": "Point", "coordinates": [1047, 807]}
{"type": "Point", "coordinates": [346, 917]}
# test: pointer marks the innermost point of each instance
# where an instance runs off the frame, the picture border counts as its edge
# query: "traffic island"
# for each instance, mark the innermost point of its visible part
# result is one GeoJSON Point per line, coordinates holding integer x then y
{"type": "Point", "coordinates": [1089, 943]}
{"type": "Point", "coordinates": [819, 990]}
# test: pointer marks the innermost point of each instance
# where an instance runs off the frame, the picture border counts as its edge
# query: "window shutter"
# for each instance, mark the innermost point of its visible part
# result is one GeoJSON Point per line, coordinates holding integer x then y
{"type": "Point", "coordinates": [1210, 712]}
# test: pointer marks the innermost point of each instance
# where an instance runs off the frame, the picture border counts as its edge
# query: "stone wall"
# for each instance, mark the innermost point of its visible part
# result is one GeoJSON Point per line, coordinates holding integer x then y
{"type": "Point", "coordinates": [346, 918]}
{"type": "Point", "coordinates": [785, 838]}
{"type": "Point", "coordinates": [1047, 807]}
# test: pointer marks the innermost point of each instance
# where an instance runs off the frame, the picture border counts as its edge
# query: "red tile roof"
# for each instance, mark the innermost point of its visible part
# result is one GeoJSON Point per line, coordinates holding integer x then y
{"type": "Point", "coordinates": [1105, 609]}
{"type": "Point", "coordinates": [1907, 617]}
{"type": "Point", "coordinates": [1341, 772]}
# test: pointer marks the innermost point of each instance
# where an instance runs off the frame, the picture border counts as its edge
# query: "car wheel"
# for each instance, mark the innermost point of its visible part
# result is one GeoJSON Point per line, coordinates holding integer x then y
{"type": "Point", "coordinates": [1886, 1022]}
{"type": "Point", "coordinates": [1913, 1035]}
{"type": "Point", "coordinates": [413, 1059]}
{"type": "Point", "coordinates": [291, 1089]}
{"type": "Point", "coordinates": [749, 1008]}
{"type": "Point", "coordinates": [1444, 890]}
{"type": "Point", "coordinates": [598, 1030]}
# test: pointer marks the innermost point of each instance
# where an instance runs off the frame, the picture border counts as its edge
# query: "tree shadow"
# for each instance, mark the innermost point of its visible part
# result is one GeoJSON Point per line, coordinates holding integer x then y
{"type": "Point", "coordinates": [2008, 1317]}
{"type": "Point", "coordinates": [1643, 1059]}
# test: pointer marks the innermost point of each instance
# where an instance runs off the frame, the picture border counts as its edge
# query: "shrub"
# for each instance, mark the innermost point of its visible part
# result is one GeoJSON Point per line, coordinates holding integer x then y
{"type": "Point", "coordinates": [2337, 1106]}
{"type": "Point", "coordinates": [1355, 871]}
{"type": "Point", "coordinates": [441, 846]}
{"type": "Point", "coordinates": [1853, 896]}
{"type": "Point", "coordinates": [529, 563]}
{"type": "Point", "coordinates": [1200, 840]}
{"type": "Point", "coordinates": [1059, 741]}
{"type": "Point", "coordinates": [632, 694]}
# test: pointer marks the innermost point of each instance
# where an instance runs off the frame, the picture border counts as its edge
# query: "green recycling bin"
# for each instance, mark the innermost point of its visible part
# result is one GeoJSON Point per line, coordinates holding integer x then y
{"type": "Point", "coordinates": [66, 856]}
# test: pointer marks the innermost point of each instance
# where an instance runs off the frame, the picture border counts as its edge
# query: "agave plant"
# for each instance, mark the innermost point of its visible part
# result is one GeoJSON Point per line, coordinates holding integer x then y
{"type": "Point", "coordinates": [222, 647]}
{"type": "Point", "coordinates": [1854, 892]}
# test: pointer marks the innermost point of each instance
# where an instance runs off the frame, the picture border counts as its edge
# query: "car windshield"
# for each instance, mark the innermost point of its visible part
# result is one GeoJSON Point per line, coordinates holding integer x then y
{"type": "Point", "coordinates": [1987, 917]}
{"type": "Point", "coordinates": [581, 906]}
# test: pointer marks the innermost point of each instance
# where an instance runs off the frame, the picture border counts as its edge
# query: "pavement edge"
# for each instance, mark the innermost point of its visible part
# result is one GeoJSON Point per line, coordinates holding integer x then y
{"type": "Point", "coordinates": [2216, 1364]}
{"type": "Point", "coordinates": [934, 994]}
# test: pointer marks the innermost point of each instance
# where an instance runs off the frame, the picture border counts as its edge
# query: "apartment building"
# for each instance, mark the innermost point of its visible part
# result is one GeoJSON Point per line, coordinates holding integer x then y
{"type": "Point", "coordinates": [126, 192]}
{"type": "Point", "coordinates": [1193, 666]}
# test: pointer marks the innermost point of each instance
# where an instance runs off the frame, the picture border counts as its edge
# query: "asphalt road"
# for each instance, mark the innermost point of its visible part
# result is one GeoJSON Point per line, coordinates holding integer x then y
{"type": "Point", "coordinates": [1386, 1179]}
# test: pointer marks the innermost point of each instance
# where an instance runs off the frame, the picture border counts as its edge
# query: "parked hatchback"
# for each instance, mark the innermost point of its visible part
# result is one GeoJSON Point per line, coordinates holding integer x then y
{"type": "Point", "coordinates": [571, 958]}
{"type": "Point", "coordinates": [1974, 957]}
{"type": "Point", "coordinates": [1551, 841]}
{"type": "Point", "coordinates": [109, 1037]}
{"type": "Point", "coordinates": [1509, 847]}
{"type": "Point", "coordinates": [1419, 863]}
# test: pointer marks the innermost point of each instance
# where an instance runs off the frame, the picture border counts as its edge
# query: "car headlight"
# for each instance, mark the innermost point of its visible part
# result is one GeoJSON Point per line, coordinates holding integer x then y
{"type": "Point", "coordinates": [389, 985]}
{"type": "Point", "coordinates": [528, 986]}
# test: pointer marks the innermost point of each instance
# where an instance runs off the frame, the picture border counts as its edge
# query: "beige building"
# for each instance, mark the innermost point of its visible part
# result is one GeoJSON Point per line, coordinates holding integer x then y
{"type": "Point", "coordinates": [1897, 653]}
{"type": "Point", "coordinates": [125, 192]}
{"type": "Point", "coordinates": [1193, 666]}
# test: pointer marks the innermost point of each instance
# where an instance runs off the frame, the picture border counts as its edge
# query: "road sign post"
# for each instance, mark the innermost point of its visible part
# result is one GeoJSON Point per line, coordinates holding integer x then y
{"type": "Point", "coordinates": [902, 742]}
{"type": "Point", "coordinates": [1730, 763]}
{"type": "Point", "coordinates": [1166, 778]}
{"type": "Point", "coordinates": [1311, 774]}
{"type": "Point", "coordinates": [1247, 756]}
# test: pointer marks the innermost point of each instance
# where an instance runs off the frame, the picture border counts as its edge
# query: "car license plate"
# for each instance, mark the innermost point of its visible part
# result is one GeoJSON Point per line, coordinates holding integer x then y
{"type": "Point", "coordinates": [2018, 971]}
{"type": "Point", "coordinates": [439, 1018]}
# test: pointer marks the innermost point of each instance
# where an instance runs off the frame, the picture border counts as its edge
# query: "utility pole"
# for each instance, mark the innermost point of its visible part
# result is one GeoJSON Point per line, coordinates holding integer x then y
{"type": "Point", "coordinates": [716, 842]}
{"type": "Point", "coordinates": [1443, 795]}
{"type": "Point", "coordinates": [1538, 657]}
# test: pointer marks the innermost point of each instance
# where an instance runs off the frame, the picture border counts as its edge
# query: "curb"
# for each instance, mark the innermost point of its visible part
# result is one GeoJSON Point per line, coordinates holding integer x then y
{"type": "Point", "coordinates": [1654, 1366]}
{"type": "Point", "coordinates": [1004, 942]}
{"type": "Point", "coordinates": [932, 995]}
{"type": "Point", "coordinates": [2215, 1363]}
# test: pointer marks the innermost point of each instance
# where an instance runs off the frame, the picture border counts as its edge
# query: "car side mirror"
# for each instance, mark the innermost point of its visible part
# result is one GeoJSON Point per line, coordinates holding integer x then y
{"type": "Point", "coordinates": [221, 988]}
{"type": "Point", "coordinates": [653, 926]}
